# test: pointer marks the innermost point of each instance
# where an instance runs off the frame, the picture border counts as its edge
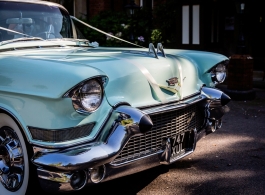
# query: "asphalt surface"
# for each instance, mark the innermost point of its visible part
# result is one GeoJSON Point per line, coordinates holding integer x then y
{"type": "Point", "coordinates": [230, 161]}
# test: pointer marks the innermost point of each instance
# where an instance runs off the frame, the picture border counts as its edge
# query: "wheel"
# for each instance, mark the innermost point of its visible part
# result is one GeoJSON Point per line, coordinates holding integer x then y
{"type": "Point", "coordinates": [14, 162]}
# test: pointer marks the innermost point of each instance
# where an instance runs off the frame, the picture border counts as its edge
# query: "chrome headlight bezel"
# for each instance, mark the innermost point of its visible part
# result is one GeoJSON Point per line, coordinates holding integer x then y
{"type": "Point", "coordinates": [218, 72]}
{"type": "Point", "coordinates": [87, 96]}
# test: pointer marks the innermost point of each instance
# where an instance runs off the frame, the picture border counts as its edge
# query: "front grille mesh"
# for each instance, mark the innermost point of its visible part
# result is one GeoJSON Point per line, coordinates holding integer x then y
{"type": "Point", "coordinates": [60, 135]}
{"type": "Point", "coordinates": [166, 125]}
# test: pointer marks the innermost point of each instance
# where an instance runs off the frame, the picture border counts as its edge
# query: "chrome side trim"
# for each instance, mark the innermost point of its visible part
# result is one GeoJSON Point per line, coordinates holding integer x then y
{"type": "Point", "coordinates": [173, 106]}
{"type": "Point", "coordinates": [183, 100]}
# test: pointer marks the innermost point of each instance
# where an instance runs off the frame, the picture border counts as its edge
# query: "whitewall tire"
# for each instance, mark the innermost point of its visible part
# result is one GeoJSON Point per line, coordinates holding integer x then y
{"type": "Point", "coordinates": [14, 163]}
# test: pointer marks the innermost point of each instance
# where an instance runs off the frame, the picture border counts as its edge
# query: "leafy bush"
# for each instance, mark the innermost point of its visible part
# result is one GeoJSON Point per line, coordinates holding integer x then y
{"type": "Point", "coordinates": [156, 36]}
{"type": "Point", "coordinates": [120, 25]}
{"type": "Point", "coordinates": [165, 20]}
{"type": "Point", "coordinates": [140, 26]}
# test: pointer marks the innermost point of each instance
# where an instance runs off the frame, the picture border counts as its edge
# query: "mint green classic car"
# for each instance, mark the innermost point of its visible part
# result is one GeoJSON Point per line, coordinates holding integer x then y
{"type": "Point", "coordinates": [74, 114]}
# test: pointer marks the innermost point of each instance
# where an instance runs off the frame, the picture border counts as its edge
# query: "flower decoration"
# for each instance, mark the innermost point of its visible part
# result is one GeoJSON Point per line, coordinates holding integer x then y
{"type": "Point", "coordinates": [141, 38]}
{"type": "Point", "coordinates": [124, 26]}
{"type": "Point", "coordinates": [109, 37]}
{"type": "Point", "coordinates": [119, 34]}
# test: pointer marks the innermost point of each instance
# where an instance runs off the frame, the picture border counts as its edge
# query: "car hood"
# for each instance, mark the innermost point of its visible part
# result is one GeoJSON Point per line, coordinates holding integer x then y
{"type": "Point", "coordinates": [135, 75]}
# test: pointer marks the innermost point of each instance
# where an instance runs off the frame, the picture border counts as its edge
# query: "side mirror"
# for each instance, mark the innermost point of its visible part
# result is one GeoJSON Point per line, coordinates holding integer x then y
{"type": "Point", "coordinates": [19, 21]}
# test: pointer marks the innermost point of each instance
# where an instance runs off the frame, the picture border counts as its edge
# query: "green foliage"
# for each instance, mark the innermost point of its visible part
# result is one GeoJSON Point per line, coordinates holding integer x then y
{"type": "Point", "coordinates": [140, 25]}
{"type": "Point", "coordinates": [156, 36]}
{"type": "Point", "coordinates": [165, 17]}
{"type": "Point", "coordinates": [120, 25]}
{"type": "Point", "coordinates": [110, 22]}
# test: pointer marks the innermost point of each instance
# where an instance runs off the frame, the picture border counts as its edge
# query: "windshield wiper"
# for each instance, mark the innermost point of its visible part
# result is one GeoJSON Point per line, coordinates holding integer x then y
{"type": "Point", "coordinates": [25, 38]}
{"type": "Point", "coordinates": [79, 42]}
{"type": "Point", "coordinates": [21, 39]}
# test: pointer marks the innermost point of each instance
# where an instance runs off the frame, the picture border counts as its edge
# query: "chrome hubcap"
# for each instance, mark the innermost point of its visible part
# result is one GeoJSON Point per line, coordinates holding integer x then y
{"type": "Point", "coordinates": [11, 159]}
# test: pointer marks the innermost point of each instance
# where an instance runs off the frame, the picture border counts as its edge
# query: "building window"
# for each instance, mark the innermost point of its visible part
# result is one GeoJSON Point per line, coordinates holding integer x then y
{"type": "Point", "coordinates": [185, 25]}
{"type": "Point", "coordinates": [191, 28]}
{"type": "Point", "coordinates": [195, 24]}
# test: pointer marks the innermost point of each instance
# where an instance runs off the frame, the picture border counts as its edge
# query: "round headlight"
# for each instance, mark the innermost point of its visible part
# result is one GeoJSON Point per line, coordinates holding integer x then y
{"type": "Point", "coordinates": [219, 73]}
{"type": "Point", "coordinates": [87, 95]}
{"type": "Point", "coordinates": [91, 95]}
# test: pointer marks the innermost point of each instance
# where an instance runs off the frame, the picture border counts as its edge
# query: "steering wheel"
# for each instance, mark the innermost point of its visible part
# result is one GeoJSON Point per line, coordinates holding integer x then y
{"type": "Point", "coordinates": [43, 30]}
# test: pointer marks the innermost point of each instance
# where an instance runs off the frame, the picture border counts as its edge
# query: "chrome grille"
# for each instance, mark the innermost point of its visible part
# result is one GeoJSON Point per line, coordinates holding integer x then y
{"type": "Point", "coordinates": [166, 125]}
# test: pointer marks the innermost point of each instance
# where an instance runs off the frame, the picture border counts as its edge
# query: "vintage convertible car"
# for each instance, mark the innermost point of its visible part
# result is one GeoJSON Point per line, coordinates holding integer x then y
{"type": "Point", "coordinates": [74, 114]}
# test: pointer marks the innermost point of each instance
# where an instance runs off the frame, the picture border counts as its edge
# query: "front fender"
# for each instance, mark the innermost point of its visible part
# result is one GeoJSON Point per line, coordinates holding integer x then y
{"type": "Point", "coordinates": [128, 122]}
{"type": "Point", "coordinates": [16, 116]}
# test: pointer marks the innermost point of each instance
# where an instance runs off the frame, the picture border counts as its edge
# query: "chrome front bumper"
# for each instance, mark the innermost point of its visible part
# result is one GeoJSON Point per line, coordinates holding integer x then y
{"type": "Point", "coordinates": [73, 168]}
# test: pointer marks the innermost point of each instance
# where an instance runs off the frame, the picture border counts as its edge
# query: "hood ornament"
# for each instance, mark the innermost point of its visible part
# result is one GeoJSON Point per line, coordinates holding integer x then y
{"type": "Point", "coordinates": [172, 81]}
{"type": "Point", "coordinates": [161, 49]}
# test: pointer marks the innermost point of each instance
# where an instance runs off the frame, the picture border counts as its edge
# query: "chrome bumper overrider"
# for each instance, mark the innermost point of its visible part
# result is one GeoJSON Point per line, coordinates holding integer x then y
{"type": "Point", "coordinates": [73, 168]}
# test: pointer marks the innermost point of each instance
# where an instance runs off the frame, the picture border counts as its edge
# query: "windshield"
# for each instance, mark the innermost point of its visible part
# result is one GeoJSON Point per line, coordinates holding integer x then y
{"type": "Point", "coordinates": [37, 20]}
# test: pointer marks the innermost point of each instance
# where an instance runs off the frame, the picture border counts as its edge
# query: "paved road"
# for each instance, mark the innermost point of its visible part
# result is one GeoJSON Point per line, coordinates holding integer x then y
{"type": "Point", "coordinates": [230, 161]}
